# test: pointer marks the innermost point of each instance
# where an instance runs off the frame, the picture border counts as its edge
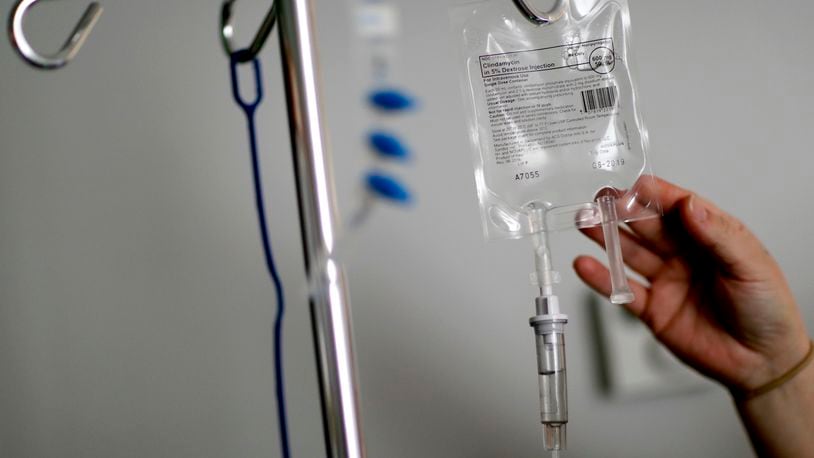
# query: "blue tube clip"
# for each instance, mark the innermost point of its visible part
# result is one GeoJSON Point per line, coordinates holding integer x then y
{"type": "Point", "coordinates": [391, 100]}
{"type": "Point", "coordinates": [388, 145]}
{"type": "Point", "coordinates": [387, 187]}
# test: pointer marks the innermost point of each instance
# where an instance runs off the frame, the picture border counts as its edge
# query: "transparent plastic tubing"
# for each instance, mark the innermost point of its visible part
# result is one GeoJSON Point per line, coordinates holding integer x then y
{"type": "Point", "coordinates": [549, 336]}
{"type": "Point", "coordinates": [621, 293]}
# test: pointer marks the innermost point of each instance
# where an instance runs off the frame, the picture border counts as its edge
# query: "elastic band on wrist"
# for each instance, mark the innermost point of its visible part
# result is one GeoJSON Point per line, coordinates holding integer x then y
{"type": "Point", "coordinates": [747, 395]}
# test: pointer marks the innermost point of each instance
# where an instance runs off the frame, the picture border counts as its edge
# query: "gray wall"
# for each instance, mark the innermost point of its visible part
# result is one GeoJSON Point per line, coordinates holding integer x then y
{"type": "Point", "coordinates": [134, 310]}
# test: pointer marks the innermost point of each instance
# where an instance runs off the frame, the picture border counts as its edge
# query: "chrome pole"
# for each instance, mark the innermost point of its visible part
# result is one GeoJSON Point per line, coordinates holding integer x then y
{"type": "Point", "coordinates": [319, 219]}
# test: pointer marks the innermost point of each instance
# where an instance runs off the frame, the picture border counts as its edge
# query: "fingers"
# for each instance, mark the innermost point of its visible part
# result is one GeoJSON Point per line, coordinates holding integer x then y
{"type": "Point", "coordinates": [727, 240]}
{"type": "Point", "coordinates": [597, 276]}
{"type": "Point", "coordinates": [653, 232]}
{"type": "Point", "coordinates": [636, 256]}
{"type": "Point", "coordinates": [666, 193]}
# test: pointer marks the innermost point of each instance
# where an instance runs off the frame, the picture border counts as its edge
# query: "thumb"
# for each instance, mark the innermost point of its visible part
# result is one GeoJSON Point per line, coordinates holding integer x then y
{"type": "Point", "coordinates": [726, 239]}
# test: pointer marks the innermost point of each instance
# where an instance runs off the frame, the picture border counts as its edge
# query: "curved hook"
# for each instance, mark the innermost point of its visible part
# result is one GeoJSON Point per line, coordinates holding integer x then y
{"type": "Point", "coordinates": [227, 34]}
{"type": "Point", "coordinates": [69, 49]}
{"type": "Point", "coordinates": [540, 17]}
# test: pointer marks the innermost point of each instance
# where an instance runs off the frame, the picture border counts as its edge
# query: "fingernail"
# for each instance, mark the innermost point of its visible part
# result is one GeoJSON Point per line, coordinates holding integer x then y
{"type": "Point", "coordinates": [697, 210]}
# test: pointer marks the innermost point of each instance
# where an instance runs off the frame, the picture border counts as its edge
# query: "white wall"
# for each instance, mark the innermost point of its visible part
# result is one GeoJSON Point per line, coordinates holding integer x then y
{"type": "Point", "coordinates": [134, 310]}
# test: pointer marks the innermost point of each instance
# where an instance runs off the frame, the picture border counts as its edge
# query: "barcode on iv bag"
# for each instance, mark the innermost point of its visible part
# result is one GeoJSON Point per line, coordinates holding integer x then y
{"type": "Point", "coordinates": [599, 99]}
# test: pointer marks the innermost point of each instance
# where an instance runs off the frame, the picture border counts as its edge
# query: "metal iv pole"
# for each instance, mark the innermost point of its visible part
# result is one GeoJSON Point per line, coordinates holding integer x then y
{"type": "Point", "coordinates": [319, 220]}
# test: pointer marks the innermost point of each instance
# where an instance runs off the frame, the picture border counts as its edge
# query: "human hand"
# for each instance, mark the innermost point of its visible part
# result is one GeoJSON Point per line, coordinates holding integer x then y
{"type": "Point", "coordinates": [716, 298]}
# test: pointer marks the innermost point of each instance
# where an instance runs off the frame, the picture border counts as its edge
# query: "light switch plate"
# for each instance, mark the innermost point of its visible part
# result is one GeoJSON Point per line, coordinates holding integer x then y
{"type": "Point", "coordinates": [632, 363]}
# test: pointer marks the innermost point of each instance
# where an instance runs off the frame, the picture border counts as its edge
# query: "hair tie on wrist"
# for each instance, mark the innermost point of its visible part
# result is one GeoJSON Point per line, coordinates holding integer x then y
{"type": "Point", "coordinates": [747, 395]}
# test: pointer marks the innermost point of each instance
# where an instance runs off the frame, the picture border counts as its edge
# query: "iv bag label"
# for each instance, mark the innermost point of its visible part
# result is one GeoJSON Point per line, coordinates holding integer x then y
{"type": "Point", "coordinates": [558, 99]}
{"type": "Point", "coordinates": [597, 55]}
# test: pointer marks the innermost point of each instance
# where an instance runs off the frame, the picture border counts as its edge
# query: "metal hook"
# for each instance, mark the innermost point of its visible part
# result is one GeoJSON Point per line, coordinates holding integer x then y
{"type": "Point", "coordinates": [69, 49]}
{"type": "Point", "coordinates": [540, 17]}
{"type": "Point", "coordinates": [228, 32]}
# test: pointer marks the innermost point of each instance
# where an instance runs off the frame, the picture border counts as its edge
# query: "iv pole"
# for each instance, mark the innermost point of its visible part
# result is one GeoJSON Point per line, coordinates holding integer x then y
{"type": "Point", "coordinates": [316, 196]}
{"type": "Point", "coordinates": [319, 220]}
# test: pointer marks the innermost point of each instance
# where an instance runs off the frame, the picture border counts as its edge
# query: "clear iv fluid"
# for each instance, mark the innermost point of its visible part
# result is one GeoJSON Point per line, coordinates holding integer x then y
{"type": "Point", "coordinates": [552, 113]}
{"type": "Point", "coordinates": [554, 123]}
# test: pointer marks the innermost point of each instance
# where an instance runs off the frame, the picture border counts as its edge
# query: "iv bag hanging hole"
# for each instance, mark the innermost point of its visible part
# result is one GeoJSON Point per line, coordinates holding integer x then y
{"type": "Point", "coordinates": [537, 15]}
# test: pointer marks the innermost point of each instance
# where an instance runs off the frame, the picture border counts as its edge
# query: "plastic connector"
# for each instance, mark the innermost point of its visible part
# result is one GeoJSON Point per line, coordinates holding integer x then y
{"type": "Point", "coordinates": [549, 336]}
{"type": "Point", "coordinates": [621, 292]}
{"type": "Point", "coordinates": [549, 331]}
{"type": "Point", "coordinates": [555, 437]}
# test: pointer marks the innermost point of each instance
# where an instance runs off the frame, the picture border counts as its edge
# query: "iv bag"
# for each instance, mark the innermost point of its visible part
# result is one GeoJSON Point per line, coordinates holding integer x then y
{"type": "Point", "coordinates": [552, 115]}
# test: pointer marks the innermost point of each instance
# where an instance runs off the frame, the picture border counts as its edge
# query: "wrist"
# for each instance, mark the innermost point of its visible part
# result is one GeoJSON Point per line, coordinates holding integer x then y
{"type": "Point", "coordinates": [774, 361]}
{"type": "Point", "coordinates": [778, 371]}
{"type": "Point", "coordinates": [780, 421]}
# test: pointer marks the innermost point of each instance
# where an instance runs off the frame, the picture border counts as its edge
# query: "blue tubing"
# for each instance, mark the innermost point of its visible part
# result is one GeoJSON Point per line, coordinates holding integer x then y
{"type": "Point", "coordinates": [249, 108]}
